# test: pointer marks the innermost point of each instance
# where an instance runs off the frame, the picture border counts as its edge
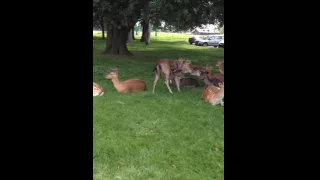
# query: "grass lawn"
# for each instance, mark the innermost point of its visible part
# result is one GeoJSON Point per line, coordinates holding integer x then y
{"type": "Point", "coordinates": [155, 136]}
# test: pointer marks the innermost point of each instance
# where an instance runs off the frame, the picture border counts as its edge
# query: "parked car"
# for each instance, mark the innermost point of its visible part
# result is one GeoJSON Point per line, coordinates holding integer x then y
{"type": "Point", "coordinates": [211, 41]}
{"type": "Point", "coordinates": [200, 39]}
{"type": "Point", "coordinates": [221, 44]}
{"type": "Point", "coordinates": [194, 38]}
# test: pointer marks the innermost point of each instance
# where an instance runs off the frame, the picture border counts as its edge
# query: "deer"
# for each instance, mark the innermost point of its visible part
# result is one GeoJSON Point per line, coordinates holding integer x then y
{"type": "Point", "coordinates": [220, 64]}
{"type": "Point", "coordinates": [196, 70]}
{"type": "Point", "coordinates": [167, 67]}
{"type": "Point", "coordinates": [209, 81]}
{"type": "Point", "coordinates": [97, 90]}
{"type": "Point", "coordinates": [128, 86]}
{"type": "Point", "coordinates": [217, 76]}
{"type": "Point", "coordinates": [184, 82]}
{"type": "Point", "coordinates": [213, 95]}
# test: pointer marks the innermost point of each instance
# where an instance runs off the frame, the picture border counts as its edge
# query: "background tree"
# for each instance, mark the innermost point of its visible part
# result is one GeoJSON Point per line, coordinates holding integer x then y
{"type": "Point", "coordinates": [120, 17]}
{"type": "Point", "coordinates": [98, 17]}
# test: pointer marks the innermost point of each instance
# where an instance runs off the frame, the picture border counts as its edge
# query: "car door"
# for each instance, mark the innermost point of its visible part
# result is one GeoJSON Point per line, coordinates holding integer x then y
{"type": "Point", "coordinates": [216, 41]}
{"type": "Point", "coordinates": [211, 40]}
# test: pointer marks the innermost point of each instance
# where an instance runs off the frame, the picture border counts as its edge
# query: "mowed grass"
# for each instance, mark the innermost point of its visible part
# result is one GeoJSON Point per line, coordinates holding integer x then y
{"type": "Point", "coordinates": [161, 136]}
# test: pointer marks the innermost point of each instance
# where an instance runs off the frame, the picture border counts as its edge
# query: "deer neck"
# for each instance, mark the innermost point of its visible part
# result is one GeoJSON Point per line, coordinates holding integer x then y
{"type": "Point", "coordinates": [116, 82]}
{"type": "Point", "coordinates": [206, 80]}
{"type": "Point", "coordinates": [221, 67]}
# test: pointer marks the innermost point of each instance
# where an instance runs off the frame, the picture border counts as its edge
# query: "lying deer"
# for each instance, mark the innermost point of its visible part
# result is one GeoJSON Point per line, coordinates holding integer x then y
{"type": "Point", "coordinates": [217, 76]}
{"type": "Point", "coordinates": [131, 85]}
{"type": "Point", "coordinates": [214, 95]}
{"type": "Point", "coordinates": [175, 68]}
{"type": "Point", "coordinates": [185, 82]}
{"type": "Point", "coordinates": [97, 90]}
{"type": "Point", "coordinates": [220, 64]}
{"type": "Point", "coordinates": [209, 81]}
{"type": "Point", "coordinates": [196, 70]}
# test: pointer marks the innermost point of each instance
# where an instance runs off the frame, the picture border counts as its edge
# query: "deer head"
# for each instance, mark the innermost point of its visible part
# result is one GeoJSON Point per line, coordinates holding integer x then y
{"type": "Point", "coordinates": [208, 68]}
{"type": "Point", "coordinates": [219, 63]}
{"type": "Point", "coordinates": [203, 74]}
{"type": "Point", "coordinates": [221, 85]}
{"type": "Point", "coordinates": [114, 73]}
{"type": "Point", "coordinates": [185, 66]}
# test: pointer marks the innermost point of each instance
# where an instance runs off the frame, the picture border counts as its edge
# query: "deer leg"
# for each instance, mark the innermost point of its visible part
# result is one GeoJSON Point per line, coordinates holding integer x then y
{"type": "Point", "coordinates": [167, 83]}
{"type": "Point", "coordinates": [177, 80]}
{"type": "Point", "coordinates": [156, 79]}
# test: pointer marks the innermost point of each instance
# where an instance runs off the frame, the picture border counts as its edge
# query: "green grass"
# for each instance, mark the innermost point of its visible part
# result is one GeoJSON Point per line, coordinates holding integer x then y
{"type": "Point", "coordinates": [161, 136]}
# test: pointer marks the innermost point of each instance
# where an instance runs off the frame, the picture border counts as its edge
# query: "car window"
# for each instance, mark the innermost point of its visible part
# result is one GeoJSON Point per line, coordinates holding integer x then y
{"type": "Point", "coordinates": [219, 37]}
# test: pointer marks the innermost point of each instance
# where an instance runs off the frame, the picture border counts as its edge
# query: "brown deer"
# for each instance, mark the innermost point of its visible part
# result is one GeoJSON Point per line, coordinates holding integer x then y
{"type": "Point", "coordinates": [168, 67]}
{"type": "Point", "coordinates": [97, 90]}
{"type": "Point", "coordinates": [185, 82]}
{"type": "Point", "coordinates": [209, 81]}
{"type": "Point", "coordinates": [128, 86]}
{"type": "Point", "coordinates": [214, 95]}
{"type": "Point", "coordinates": [220, 64]}
{"type": "Point", "coordinates": [196, 70]}
{"type": "Point", "coordinates": [217, 76]}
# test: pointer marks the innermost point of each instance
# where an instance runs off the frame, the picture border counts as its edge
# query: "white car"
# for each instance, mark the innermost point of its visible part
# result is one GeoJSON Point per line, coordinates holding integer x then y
{"type": "Point", "coordinates": [210, 41]}
{"type": "Point", "coordinates": [221, 44]}
{"type": "Point", "coordinates": [195, 38]}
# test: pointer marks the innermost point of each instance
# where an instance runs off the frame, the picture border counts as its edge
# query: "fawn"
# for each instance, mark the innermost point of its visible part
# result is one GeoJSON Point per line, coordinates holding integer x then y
{"type": "Point", "coordinates": [128, 86]}
{"type": "Point", "coordinates": [214, 96]}
{"type": "Point", "coordinates": [97, 90]}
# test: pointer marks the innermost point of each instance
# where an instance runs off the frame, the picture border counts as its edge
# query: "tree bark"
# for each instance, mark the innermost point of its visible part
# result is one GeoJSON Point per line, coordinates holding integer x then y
{"type": "Point", "coordinates": [133, 34]}
{"type": "Point", "coordinates": [130, 35]}
{"type": "Point", "coordinates": [145, 32]}
{"type": "Point", "coordinates": [117, 41]}
{"type": "Point", "coordinates": [145, 23]}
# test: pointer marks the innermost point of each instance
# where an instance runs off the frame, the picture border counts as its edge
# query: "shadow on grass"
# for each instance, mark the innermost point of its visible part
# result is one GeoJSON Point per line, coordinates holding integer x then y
{"type": "Point", "coordinates": [164, 49]}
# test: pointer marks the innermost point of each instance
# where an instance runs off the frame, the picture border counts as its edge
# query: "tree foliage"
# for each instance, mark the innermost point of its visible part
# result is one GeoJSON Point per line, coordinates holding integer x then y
{"type": "Point", "coordinates": [122, 15]}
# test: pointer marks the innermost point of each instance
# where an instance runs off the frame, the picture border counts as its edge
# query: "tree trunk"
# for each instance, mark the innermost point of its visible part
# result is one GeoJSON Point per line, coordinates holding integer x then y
{"type": "Point", "coordinates": [145, 32]}
{"type": "Point", "coordinates": [117, 41]}
{"type": "Point", "coordinates": [133, 34]}
{"type": "Point", "coordinates": [145, 23]}
{"type": "Point", "coordinates": [130, 35]}
{"type": "Point", "coordinates": [102, 27]}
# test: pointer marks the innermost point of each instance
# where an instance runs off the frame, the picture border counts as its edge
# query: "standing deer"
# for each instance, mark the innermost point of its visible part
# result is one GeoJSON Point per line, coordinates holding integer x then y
{"type": "Point", "coordinates": [220, 64]}
{"type": "Point", "coordinates": [176, 68]}
{"type": "Point", "coordinates": [131, 85]}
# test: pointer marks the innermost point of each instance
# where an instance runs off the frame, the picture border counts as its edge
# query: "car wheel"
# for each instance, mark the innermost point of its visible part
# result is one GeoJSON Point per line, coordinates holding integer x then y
{"type": "Point", "coordinates": [205, 44]}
